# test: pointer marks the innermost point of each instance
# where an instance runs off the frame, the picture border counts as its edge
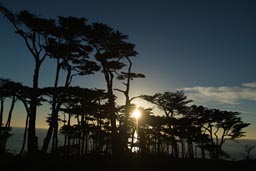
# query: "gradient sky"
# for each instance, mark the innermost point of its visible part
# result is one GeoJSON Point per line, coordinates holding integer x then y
{"type": "Point", "coordinates": [206, 48]}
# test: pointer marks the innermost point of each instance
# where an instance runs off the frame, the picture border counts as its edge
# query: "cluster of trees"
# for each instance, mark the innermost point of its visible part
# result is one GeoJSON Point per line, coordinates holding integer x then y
{"type": "Point", "coordinates": [91, 120]}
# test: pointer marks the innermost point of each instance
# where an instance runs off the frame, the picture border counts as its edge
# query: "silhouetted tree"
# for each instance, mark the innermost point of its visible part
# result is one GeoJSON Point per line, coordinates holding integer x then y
{"type": "Point", "coordinates": [7, 90]}
{"type": "Point", "coordinates": [83, 104]}
{"type": "Point", "coordinates": [110, 47]}
{"type": "Point", "coordinates": [153, 133]}
{"type": "Point", "coordinates": [199, 117]}
{"type": "Point", "coordinates": [127, 77]}
{"type": "Point", "coordinates": [15, 91]}
{"type": "Point", "coordinates": [66, 45]}
{"type": "Point", "coordinates": [172, 104]}
{"type": "Point", "coordinates": [223, 125]}
{"type": "Point", "coordinates": [34, 31]}
{"type": "Point", "coordinates": [216, 127]}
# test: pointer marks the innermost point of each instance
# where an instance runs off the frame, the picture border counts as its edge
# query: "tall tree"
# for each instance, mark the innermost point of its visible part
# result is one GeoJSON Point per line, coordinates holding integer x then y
{"type": "Point", "coordinates": [126, 78]}
{"type": "Point", "coordinates": [67, 47]}
{"type": "Point", "coordinates": [110, 47]}
{"type": "Point", "coordinates": [34, 31]}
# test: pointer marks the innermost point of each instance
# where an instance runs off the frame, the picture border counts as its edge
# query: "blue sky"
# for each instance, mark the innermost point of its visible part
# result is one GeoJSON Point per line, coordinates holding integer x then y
{"type": "Point", "coordinates": [206, 48]}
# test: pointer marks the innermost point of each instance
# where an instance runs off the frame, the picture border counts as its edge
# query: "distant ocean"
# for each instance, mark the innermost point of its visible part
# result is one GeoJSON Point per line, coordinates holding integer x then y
{"type": "Point", "coordinates": [236, 150]}
{"type": "Point", "coordinates": [14, 143]}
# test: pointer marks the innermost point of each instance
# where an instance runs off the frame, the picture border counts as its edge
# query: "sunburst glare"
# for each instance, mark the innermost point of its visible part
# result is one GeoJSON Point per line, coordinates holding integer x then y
{"type": "Point", "coordinates": [136, 114]}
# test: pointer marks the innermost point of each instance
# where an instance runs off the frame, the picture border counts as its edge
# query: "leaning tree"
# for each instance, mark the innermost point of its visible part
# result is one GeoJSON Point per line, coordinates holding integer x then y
{"type": "Point", "coordinates": [223, 125]}
{"type": "Point", "coordinates": [34, 31]}
{"type": "Point", "coordinates": [71, 53]}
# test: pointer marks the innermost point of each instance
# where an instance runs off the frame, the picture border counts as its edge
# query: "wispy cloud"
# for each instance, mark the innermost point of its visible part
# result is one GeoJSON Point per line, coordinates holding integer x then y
{"type": "Point", "coordinates": [224, 94]}
{"type": "Point", "coordinates": [251, 85]}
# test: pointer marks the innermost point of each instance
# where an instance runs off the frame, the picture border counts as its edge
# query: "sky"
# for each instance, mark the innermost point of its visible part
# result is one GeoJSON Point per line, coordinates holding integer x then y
{"type": "Point", "coordinates": [204, 47]}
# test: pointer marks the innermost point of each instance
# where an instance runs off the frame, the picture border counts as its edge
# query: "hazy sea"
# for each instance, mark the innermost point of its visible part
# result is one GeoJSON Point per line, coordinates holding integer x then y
{"type": "Point", "coordinates": [236, 150]}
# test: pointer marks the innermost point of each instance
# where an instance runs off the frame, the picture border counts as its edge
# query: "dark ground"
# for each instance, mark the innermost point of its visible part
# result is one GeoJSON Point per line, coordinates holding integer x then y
{"type": "Point", "coordinates": [46, 163]}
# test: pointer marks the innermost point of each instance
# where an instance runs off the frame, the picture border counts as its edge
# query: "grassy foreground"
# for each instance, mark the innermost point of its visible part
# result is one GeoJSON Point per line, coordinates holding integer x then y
{"type": "Point", "coordinates": [46, 163]}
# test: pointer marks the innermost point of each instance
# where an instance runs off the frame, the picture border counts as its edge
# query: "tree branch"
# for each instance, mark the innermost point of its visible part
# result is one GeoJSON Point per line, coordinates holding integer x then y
{"type": "Point", "coordinates": [119, 90]}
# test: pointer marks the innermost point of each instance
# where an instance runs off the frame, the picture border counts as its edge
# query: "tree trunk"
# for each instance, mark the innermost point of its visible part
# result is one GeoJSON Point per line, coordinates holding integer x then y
{"type": "Point", "coordinates": [24, 136]}
{"type": "Point", "coordinates": [114, 136]}
{"type": "Point", "coordinates": [1, 112]}
{"type": "Point", "coordinates": [182, 148]}
{"type": "Point", "coordinates": [1, 125]}
{"type": "Point", "coordinates": [51, 128]}
{"type": "Point", "coordinates": [115, 148]}
{"type": "Point", "coordinates": [8, 122]}
{"type": "Point", "coordinates": [202, 150]}
{"type": "Point", "coordinates": [32, 138]}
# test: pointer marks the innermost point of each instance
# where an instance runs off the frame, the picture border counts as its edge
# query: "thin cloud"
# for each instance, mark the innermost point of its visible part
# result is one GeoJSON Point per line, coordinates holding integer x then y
{"type": "Point", "coordinates": [226, 95]}
{"type": "Point", "coordinates": [251, 85]}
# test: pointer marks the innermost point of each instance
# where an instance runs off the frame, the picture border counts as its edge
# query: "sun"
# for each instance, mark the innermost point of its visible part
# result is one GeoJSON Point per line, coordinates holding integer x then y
{"type": "Point", "coordinates": [136, 114]}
